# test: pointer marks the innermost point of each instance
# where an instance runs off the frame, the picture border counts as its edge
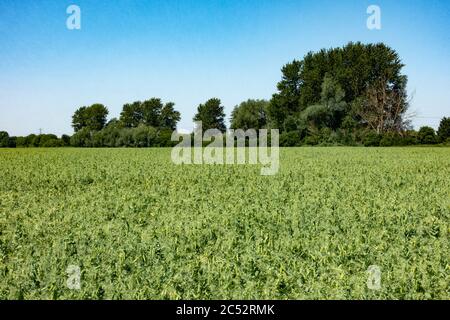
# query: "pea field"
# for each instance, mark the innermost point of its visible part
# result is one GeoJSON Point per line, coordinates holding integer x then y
{"type": "Point", "coordinates": [140, 227]}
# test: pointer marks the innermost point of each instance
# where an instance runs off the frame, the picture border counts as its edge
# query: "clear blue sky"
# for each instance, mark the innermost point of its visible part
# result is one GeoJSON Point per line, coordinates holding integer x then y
{"type": "Point", "coordinates": [189, 51]}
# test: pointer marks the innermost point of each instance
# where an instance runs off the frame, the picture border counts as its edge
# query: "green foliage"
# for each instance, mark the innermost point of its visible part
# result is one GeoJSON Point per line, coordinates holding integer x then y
{"type": "Point", "coordinates": [114, 135]}
{"type": "Point", "coordinates": [312, 140]}
{"type": "Point", "coordinates": [169, 117]}
{"type": "Point", "coordinates": [444, 129]}
{"type": "Point", "coordinates": [140, 227]}
{"type": "Point", "coordinates": [82, 138]}
{"type": "Point", "coordinates": [4, 139]}
{"type": "Point", "coordinates": [131, 115]}
{"type": "Point", "coordinates": [390, 139]}
{"type": "Point", "coordinates": [290, 139]}
{"type": "Point", "coordinates": [93, 118]}
{"type": "Point", "coordinates": [250, 114]}
{"type": "Point", "coordinates": [316, 115]}
{"type": "Point", "coordinates": [211, 115]}
{"type": "Point", "coordinates": [41, 140]}
{"type": "Point", "coordinates": [427, 135]}
{"type": "Point", "coordinates": [330, 86]}
{"type": "Point", "coordinates": [287, 101]}
{"type": "Point", "coordinates": [152, 113]}
{"type": "Point", "coordinates": [65, 140]}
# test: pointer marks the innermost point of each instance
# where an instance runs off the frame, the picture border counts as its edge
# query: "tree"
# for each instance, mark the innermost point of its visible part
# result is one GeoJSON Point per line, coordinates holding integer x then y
{"type": "Point", "coordinates": [287, 101]}
{"type": "Point", "coordinates": [169, 117]}
{"type": "Point", "coordinates": [93, 117]}
{"type": "Point", "coordinates": [151, 113]}
{"type": "Point", "coordinates": [444, 129]}
{"type": "Point", "coordinates": [331, 110]}
{"type": "Point", "coordinates": [211, 115]}
{"type": "Point", "coordinates": [384, 107]}
{"type": "Point", "coordinates": [4, 139]}
{"type": "Point", "coordinates": [356, 68]}
{"type": "Point", "coordinates": [250, 114]}
{"type": "Point", "coordinates": [131, 115]}
{"type": "Point", "coordinates": [144, 136]}
{"type": "Point", "coordinates": [332, 97]}
{"type": "Point", "coordinates": [427, 135]}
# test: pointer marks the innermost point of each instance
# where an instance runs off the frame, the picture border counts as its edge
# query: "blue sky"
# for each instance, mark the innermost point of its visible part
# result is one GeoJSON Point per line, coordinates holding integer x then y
{"type": "Point", "coordinates": [190, 51]}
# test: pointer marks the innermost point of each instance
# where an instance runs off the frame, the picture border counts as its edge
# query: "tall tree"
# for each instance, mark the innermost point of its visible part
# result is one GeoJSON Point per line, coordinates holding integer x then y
{"type": "Point", "coordinates": [287, 101]}
{"type": "Point", "coordinates": [151, 112]}
{"type": "Point", "coordinates": [356, 68]}
{"type": "Point", "coordinates": [211, 115]}
{"type": "Point", "coordinates": [131, 115]}
{"type": "Point", "coordinates": [93, 117]}
{"type": "Point", "coordinates": [169, 117]}
{"type": "Point", "coordinates": [444, 129]}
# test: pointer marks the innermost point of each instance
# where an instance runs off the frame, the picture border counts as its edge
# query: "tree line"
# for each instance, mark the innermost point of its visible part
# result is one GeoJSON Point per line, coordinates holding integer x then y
{"type": "Point", "coordinates": [351, 95]}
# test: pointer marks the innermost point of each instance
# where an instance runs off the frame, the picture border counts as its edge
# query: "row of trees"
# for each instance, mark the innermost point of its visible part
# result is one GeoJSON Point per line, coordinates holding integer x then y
{"type": "Point", "coordinates": [141, 124]}
{"type": "Point", "coordinates": [114, 134]}
{"type": "Point", "coordinates": [350, 95]}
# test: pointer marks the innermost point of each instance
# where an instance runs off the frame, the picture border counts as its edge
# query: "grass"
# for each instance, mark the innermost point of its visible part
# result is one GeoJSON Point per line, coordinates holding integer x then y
{"type": "Point", "coordinates": [141, 227]}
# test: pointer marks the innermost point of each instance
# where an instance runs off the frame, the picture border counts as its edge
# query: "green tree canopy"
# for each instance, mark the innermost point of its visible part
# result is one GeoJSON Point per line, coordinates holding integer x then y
{"type": "Point", "coordinates": [444, 129]}
{"type": "Point", "coordinates": [150, 112]}
{"type": "Point", "coordinates": [211, 115]}
{"type": "Point", "coordinates": [331, 109]}
{"type": "Point", "coordinates": [93, 117]}
{"type": "Point", "coordinates": [4, 139]}
{"type": "Point", "coordinates": [250, 114]}
{"type": "Point", "coordinates": [351, 71]}
{"type": "Point", "coordinates": [427, 135]}
{"type": "Point", "coordinates": [131, 115]}
{"type": "Point", "coordinates": [169, 117]}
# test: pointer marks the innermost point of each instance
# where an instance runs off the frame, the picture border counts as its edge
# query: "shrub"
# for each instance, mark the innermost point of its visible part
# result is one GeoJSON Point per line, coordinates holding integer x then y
{"type": "Point", "coordinates": [82, 138]}
{"type": "Point", "coordinates": [290, 139]}
{"type": "Point", "coordinates": [371, 139]}
{"type": "Point", "coordinates": [52, 143]}
{"type": "Point", "coordinates": [427, 135]}
{"type": "Point", "coordinates": [312, 140]}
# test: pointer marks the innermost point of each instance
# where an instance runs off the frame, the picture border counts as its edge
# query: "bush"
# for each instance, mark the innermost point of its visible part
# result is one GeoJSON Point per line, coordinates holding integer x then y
{"type": "Point", "coordinates": [446, 142]}
{"type": "Point", "coordinates": [290, 139]}
{"type": "Point", "coordinates": [143, 136]}
{"type": "Point", "coordinates": [163, 139]}
{"type": "Point", "coordinates": [12, 142]}
{"type": "Point", "coordinates": [82, 138]}
{"type": "Point", "coordinates": [372, 139]}
{"type": "Point", "coordinates": [312, 140]}
{"type": "Point", "coordinates": [53, 143]}
{"type": "Point", "coordinates": [65, 140]}
{"type": "Point", "coordinates": [427, 135]}
{"type": "Point", "coordinates": [409, 138]}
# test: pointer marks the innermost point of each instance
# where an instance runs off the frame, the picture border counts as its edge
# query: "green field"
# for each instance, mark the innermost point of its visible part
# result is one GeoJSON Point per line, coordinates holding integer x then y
{"type": "Point", "coordinates": [141, 227]}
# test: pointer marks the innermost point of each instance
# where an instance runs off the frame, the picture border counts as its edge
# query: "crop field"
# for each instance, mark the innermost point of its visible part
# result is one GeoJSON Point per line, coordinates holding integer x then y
{"type": "Point", "coordinates": [139, 226]}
